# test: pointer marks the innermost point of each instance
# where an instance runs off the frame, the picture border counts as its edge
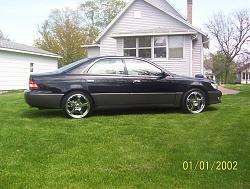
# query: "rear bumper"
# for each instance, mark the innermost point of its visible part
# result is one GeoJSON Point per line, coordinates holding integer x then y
{"type": "Point", "coordinates": [41, 99]}
{"type": "Point", "coordinates": [214, 97]}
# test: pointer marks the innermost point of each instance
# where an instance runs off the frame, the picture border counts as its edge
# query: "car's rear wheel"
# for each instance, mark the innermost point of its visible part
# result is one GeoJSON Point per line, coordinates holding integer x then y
{"type": "Point", "coordinates": [77, 105]}
{"type": "Point", "coordinates": [194, 101]}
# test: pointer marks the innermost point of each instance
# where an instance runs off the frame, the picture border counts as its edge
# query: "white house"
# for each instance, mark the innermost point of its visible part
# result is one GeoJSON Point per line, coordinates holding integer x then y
{"type": "Point", "coordinates": [244, 74]}
{"type": "Point", "coordinates": [154, 29]}
{"type": "Point", "coordinates": [18, 61]}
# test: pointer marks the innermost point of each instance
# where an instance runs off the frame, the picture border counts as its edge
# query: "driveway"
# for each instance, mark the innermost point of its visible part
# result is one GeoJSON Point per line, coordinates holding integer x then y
{"type": "Point", "coordinates": [228, 91]}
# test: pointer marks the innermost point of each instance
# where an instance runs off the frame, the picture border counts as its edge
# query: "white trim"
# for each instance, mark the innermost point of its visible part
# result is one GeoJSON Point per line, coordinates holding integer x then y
{"type": "Point", "coordinates": [126, 8]}
{"type": "Point", "coordinates": [183, 21]}
{"type": "Point", "coordinates": [137, 47]}
{"type": "Point", "coordinates": [167, 60]}
{"type": "Point", "coordinates": [153, 47]}
{"type": "Point", "coordinates": [89, 46]}
{"type": "Point", "coordinates": [28, 52]}
{"type": "Point", "coordinates": [114, 20]}
{"type": "Point", "coordinates": [191, 58]}
{"type": "Point", "coordinates": [122, 46]}
{"type": "Point", "coordinates": [183, 16]}
{"type": "Point", "coordinates": [152, 34]}
{"type": "Point", "coordinates": [202, 60]}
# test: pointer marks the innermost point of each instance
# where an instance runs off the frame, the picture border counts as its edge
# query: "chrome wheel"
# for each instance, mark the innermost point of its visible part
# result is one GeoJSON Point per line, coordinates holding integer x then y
{"type": "Point", "coordinates": [195, 102]}
{"type": "Point", "coordinates": [77, 106]}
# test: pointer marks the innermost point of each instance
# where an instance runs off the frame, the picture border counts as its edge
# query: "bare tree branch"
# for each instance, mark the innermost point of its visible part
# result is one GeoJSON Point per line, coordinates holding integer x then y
{"type": "Point", "coordinates": [231, 33]}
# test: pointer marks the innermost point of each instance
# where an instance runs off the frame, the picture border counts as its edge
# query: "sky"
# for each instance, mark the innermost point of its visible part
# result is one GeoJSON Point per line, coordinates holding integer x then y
{"type": "Point", "coordinates": [20, 19]}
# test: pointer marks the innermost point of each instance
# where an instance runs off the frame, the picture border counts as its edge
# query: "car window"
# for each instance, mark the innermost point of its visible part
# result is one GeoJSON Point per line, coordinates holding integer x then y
{"type": "Point", "coordinates": [107, 66]}
{"type": "Point", "coordinates": [140, 67]}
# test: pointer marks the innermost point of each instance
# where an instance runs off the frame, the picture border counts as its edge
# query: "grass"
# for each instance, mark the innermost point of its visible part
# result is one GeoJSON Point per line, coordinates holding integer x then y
{"type": "Point", "coordinates": [124, 149]}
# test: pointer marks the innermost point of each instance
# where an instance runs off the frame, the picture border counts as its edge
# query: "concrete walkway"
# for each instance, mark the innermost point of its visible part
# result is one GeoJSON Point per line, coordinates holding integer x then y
{"type": "Point", "coordinates": [228, 91]}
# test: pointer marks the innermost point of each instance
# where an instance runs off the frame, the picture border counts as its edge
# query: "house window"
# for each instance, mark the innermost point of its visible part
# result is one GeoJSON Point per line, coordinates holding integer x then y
{"type": "Point", "coordinates": [171, 47]}
{"type": "Point", "coordinates": [160, 47]}
{"type": "Point", "coordinates": [145, 47]}
{"type": "Point", "coordinates": [244, 75]}
{"type": "Point", "coordinates": [31, 67]}
{"type": "Point", "coordinates": [130, 46]}
{"type": "Point", "coordinates": [175, 47]}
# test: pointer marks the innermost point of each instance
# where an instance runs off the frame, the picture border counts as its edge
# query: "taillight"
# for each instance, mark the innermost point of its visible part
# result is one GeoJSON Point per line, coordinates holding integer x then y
{"type": "Point", "coordinates": [33, 85]}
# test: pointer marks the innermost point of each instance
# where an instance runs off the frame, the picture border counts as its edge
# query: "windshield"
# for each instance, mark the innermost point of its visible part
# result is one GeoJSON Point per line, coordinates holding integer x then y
{"type": "Point", "coordinates": [72, 65]}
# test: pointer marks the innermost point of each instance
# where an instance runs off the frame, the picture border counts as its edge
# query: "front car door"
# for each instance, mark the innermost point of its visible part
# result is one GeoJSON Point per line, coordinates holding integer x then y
{"type": "Point", "coordinates": [147, 88]}
{"type": "Point", "coordinates": [107, 82]}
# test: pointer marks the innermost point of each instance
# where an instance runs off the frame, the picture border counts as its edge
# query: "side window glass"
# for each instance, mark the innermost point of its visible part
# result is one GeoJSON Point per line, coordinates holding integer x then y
{"type": "Point", "coordinates": [107, 67]}
{"type": "Point", "coordinates": [139, 67]}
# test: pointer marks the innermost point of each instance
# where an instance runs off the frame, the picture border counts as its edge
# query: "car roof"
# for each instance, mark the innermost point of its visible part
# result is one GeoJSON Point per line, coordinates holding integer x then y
{"type": "Point", "coordinates": [98, 57]}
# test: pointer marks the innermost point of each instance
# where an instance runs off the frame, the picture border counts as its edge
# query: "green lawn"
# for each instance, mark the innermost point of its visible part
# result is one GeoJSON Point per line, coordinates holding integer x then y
{"type": "Point", "coordinates": [124, 149]}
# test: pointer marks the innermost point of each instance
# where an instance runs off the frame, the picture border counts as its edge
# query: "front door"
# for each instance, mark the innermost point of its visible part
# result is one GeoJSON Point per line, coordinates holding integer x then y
{"type": "Point", "coordinates": [146, 85]}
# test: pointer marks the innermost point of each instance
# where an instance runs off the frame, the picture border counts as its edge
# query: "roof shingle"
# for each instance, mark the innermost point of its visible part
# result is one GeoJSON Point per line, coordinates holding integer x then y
{"type": "Point", "coordinates": [5, 44]}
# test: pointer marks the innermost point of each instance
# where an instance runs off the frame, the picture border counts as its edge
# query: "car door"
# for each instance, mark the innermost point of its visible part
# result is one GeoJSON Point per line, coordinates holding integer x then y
{"type": "Point", "coordinates": [147, 87]}
{"type": "Point", "coordinates": [107, 82]}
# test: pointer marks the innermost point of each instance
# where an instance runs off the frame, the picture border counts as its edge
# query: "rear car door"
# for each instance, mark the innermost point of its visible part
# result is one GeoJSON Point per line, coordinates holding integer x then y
{"type": "Point", "coordinates": [107, 82]}
{"type": "Point", "coordinates": [147, 87]}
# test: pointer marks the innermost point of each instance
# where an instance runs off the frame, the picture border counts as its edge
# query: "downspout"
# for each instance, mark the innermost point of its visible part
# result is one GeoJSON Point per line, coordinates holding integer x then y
{"type": "Point", "coordinates": [202, 59]}
{"type": "Point", "coordinates": [191, 58]}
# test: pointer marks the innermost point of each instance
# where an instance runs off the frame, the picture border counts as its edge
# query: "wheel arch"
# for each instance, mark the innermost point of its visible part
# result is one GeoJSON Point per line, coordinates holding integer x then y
{"type": "Point", "coordinates": [76, 90]}
{"type": "Point", "coordinates": [193, 87]}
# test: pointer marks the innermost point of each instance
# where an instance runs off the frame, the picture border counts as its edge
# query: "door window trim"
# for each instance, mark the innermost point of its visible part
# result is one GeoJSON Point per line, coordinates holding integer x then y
{"type": "Point", "coordinates": [96, 61]}
{"type": "Point", "coordinates": [142, 76]}
{"type": "Point", "coordinates": [85, 72]}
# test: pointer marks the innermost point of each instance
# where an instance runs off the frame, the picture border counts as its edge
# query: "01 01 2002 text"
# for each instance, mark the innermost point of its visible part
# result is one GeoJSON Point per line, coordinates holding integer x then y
{"type": "Point", "coordinates": [210, 166]}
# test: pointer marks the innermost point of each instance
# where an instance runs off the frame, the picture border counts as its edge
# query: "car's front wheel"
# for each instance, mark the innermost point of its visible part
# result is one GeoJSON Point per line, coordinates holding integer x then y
{"type": "Point", "coordinates": [77, 105]}
{"type": "Point", "coordinates": [194, 101]}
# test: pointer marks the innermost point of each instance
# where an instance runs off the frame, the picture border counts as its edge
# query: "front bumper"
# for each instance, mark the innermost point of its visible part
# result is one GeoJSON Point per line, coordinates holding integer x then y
{"type": "Point", "coordinates": [41, 99]}
{"type": "Point", "coordinates": [214, 97]}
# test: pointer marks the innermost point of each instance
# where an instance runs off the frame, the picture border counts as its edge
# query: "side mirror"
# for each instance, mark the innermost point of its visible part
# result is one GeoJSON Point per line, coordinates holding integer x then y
{"type": "Point", "coordinates": [199, 76]}
{"type": "Point", "coordinates": [163, 75]}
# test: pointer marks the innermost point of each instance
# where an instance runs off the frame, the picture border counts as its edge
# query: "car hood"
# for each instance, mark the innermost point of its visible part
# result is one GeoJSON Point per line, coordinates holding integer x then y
{"type": "Point", "coordinates": [192, 78]}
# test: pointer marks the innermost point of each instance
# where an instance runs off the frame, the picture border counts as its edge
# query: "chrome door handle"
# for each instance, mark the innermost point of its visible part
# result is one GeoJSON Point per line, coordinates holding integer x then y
{"type": "Point", "coordinates": [91, 81]}
{"type": "Point", "coordinates": [137, 81]}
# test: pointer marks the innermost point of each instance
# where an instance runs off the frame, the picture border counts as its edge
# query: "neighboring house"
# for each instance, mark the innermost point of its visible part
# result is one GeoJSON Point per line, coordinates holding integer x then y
{"type": "Point", "coordinates": [208, 71]}
{"type": "Point", "coordinates": [243, 75]}
{"type": "Point", "coordinates": [18, 61]}
{"type": "Point", "coordinates": [155, 30]}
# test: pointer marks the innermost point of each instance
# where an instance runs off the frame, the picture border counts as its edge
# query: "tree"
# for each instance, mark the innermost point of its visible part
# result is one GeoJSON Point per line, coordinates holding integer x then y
{"type": "Point", "coordinates": [66, 30]}
{"type": "Point", "coordinates": [2, 36]}
{"type": "Point", "coordinates": [63, 33]}
{"type": "Point", "coordinates": [99, 13]}
{"type": "Point", "coordinates": [218, 63]}
{"type": "Point", "coordinates": [231, 33]}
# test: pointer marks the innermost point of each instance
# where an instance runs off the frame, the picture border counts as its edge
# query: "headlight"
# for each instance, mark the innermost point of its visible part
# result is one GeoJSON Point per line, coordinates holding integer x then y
{"type": "Point", "coordinates": [214, 85]}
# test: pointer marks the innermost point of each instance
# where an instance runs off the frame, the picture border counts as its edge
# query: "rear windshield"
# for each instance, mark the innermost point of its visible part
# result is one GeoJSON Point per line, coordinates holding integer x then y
{"type": "Point", "coordinates": [72, 65]}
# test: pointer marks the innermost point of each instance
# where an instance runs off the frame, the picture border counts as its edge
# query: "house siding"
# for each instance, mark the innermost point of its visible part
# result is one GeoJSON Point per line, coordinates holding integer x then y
{"type": "Point", "coordinates": [151, 18]}
{"type": "Point", "coordinates": [197, 63]}
{"type": "Point", "coordinates": [164, 5]}
{"type": "Point", "coordinates": [15, 69]}
{"type": "Point", "coordinates": [181, 67]}
{"type": "Point", "coordinates": [93, 51]}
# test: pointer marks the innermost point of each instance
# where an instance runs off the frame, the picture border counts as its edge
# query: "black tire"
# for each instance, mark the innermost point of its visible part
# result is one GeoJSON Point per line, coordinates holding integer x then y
{"type": "Point", "coordinates": [188, 103]}
{"type": "Point", "coordinates": [77, 101]}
